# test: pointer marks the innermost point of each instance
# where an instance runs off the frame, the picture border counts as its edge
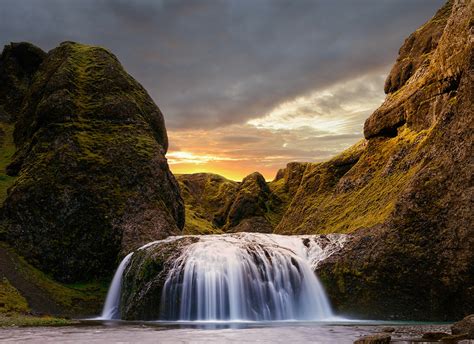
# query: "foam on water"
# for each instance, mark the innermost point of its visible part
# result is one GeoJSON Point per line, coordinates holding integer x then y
{"type": "Point", "coordinates": [242, 277]}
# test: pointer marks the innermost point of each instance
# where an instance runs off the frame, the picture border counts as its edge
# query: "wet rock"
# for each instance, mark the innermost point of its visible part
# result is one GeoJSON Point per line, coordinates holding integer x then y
{"type": "Point", "coordinates": [374, 339]}
{"type": "Point", "coordinates": [465, 326]}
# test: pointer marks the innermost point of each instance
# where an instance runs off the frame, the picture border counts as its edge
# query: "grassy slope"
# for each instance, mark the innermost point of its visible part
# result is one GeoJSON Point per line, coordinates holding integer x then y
{"type": "Point", "coordinates": [14, 308]}
{"type": "Point", "coordinates": [356, 189]}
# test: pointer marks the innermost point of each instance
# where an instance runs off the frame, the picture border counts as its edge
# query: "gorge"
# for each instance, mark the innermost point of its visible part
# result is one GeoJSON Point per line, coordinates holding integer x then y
{"type": "Point", "coordinates": [383, 230]}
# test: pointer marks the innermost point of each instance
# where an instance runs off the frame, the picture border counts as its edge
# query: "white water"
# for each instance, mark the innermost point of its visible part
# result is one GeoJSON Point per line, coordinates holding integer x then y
{"type": "Point", "coordinates": [112, 302]}
{"type": "Point", "coordinates": [242, 277]}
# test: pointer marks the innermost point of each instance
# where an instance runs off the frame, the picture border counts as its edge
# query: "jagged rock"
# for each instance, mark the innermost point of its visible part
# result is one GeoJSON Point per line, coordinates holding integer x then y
{"type": "Point", "coordinates": [374, 339]}
{"type": "Point", "coordinates": [250, 204]}
{"type": "Point", "coordinates": [422, 77]}
{"type": "Point", "coordinates": [18, 64]}
{"type": "Point", "coordinates": [93, 182]}
{"type": "Point", "coordinates": [465, 326]}
{"type": "Point", "coordinates": [416, 50]}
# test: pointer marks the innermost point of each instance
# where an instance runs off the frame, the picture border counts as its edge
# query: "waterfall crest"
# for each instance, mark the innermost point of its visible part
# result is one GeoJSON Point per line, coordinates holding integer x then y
{"type": "Point", "coordinates": [241, 277]}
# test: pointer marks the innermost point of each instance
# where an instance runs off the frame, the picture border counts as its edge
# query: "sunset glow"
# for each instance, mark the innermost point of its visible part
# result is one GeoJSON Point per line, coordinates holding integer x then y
{"type": "Point", "coordinates": [311, 127]}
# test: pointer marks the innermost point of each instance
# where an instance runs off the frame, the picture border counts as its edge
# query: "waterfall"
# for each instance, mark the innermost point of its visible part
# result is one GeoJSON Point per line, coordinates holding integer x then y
{"type": "Point", "coordinates": [112, 302]}
{"type": "Point", "coordinates": [241, 277]}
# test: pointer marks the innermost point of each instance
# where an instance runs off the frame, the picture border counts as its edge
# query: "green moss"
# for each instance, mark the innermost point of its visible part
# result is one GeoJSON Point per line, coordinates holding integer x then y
{"type": "Point", "coordinates": [22, 320]}
{"type": "Point", "coordinates": [196, 223]}
{"type": "Point", "coordinates": [356, 189]}
{"type": "Point", "coordinates": [75, 298]}
{"type": "Point", "coordinates": [10, 299]}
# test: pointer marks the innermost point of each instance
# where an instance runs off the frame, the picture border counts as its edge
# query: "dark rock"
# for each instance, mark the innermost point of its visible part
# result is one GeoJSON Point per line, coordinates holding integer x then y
{"type": "Point", "coordinates": [465, 326]}
{"type": "Point", "coordinates": [247, 211]}
{"type": "Point", "coordinates": [18, 64]}
{"type": "Point", "coordinates": [434, 335]}
{"type": "Point", "coordinates": [93, 181]}
{"type": "Point", "coordinates": [374, 339]}
{"type": "Point", "coordinates": [145, 276]}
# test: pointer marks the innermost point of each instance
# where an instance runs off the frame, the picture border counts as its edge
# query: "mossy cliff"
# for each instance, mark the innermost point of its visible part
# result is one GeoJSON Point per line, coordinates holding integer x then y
{"type": "Point", "coordinates": [92, 181]}
{"type": "Point", "coordinates": [411, 189]}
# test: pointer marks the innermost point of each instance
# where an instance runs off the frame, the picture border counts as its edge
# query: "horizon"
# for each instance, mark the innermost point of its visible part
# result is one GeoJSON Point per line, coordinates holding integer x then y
{"type": "Point", "coordinates": [243, 88]}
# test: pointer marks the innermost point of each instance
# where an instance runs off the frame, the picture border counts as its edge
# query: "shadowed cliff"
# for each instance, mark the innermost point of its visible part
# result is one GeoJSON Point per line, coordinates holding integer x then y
{"type": "Point", "coordinates": [92, 181]}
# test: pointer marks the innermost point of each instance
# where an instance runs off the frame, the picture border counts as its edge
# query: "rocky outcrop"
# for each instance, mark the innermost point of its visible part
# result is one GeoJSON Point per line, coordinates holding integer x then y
{"type": "Point", "coordinates": [18, 64]}
{"type": "Point", "coordinates": [247, 211]}
{"type": "Point", "coordinates": [215, 204]}
{"type": "Point", "coordinates": [414, 259]}
{"type": "Point", "coordinates": [416, 85]}
{"type": "Point", "coordinates": [92, 179]}
{"type": "Point", "coordinates": [144, 278]}
{"type": "Point", "coordinates": [204, 195]}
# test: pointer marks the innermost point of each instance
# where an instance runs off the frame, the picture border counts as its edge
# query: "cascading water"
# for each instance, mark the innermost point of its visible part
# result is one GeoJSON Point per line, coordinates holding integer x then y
{"type": "Point", "coordinates": [242, 277]}
{"type": "Point", "coordinates": [112, 302]}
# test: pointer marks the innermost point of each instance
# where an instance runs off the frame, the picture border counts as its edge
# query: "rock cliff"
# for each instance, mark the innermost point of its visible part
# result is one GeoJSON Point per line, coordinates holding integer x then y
{"type": "Point", "coordinates": [92, 181]}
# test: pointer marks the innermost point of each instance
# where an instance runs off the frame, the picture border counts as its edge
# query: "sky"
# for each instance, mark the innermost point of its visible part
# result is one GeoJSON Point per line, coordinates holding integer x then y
{"type": "Point", "coordinates": [244, 85]}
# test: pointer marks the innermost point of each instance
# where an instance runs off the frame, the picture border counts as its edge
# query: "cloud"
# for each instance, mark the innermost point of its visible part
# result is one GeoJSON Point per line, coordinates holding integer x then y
{"type": "Point", "coordinates": [244, 85]}
{"type": "Point", "coordinates": [222, 62]}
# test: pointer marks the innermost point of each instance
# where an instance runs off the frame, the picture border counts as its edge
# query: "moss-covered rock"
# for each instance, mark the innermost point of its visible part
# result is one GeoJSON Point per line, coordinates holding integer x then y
{"type": "Point", "coordinates": [215, 204]}
{"type": "Point", "coordinates": [145, 276]}
{"type": "Point", "coordinates": [204, 195]}
{"type": "Point", "coordinates": [92, 178]}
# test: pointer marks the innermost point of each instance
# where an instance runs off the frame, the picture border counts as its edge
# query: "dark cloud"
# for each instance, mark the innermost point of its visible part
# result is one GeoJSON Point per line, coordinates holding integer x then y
{"type": "Point", "coordinates": [214, 63]}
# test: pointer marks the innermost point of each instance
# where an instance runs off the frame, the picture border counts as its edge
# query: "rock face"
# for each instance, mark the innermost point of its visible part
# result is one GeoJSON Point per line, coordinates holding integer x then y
{"type": "Point", "coordinates": [415, 257]}
{"type": "Point", "coordinates": [246, 212]}
{"type": "Point", "coordinates": [93, 181]}
{"type": "Point", "coordinates": [18, 64]}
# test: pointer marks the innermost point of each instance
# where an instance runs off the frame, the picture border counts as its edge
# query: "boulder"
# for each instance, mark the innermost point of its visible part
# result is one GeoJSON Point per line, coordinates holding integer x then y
{"type": "Point", "coordinates": [465, 326]}
{"type": "Point", "coordinates": [374, 339]}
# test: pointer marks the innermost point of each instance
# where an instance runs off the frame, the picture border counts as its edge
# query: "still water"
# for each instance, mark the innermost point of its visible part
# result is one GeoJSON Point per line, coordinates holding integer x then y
{"type": "Point", "coordinates": [275, 332]}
